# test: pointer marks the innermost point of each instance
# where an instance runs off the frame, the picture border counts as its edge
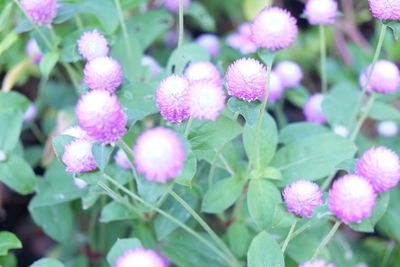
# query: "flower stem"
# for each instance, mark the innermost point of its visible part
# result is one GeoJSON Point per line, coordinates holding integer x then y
{"type": "Point", "coordinates": [289, 236]}
{"type": "Point", "coordinates": [188, 126]}
{"type": "Point", "coordinates": [360, 122]}
{"type": "Point", "coordinates": [180, 22]}
{"type": "Point", "coordinates": [322, 43]}
{"type": "Point", "coordinates": [326, 240]}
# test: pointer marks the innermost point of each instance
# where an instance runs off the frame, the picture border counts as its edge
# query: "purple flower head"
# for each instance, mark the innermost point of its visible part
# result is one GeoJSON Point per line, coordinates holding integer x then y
{"type": "Point", "coordinates": [302, 196]}
{"type": "Point", "coordinates": [152, 64]}
{"type": "Point", "coordinates": [246, 79]}
{"type": "Point", "coordinates": [141, 257]}
{"type": "Point", "coordinates": [122, 159]}
{"type": "Point", "coordinates": [100, 114]}
{"type": "Point", "coordinates": [41, 12]}
{"type": "Point", "coordinates": [316, 263]}
{"type": "Point", "coordinates": [159, 154]}
{"type": "Point", "coordinates": [381, 166]}
{"type": "Point", "coordinates": [173, 5]}
{"type": "Point", "coordinates": [385, 9]}
{"type": "Point", "coordinates": [205, 100]}
{"type": "Point", "coordinates": [203, 70]}
{"type": "Point", "coordinates": [242, 39]}
{"type": "Point", "coordinates": [209, 42]}
{"type": "Point", "coordinates": [30, 113]}
{"type": "Point", "coordinates": [321, 11]}
{"type": "Point", "coordinates": [78, 156]}
{"type": "Point", "coordinates": [313, 109]}
{"type": "Point", "coordinates": [103, 73]}
{"type": "Point", "coordinates": [92, 44]}
{"type": "Point", "coordinates": [387, 128]}
{"type": "Point", "coordinates": [290, 73]}
{"type": "Point", "coordinates": [384, 79]}
{"type": "Point", "coordinates": [275, 88]}
{"type": "Point", "coordinates": [352, 198]}
{"type": "Point", "coordinates": [32, 50]}
{"type": "Point", "coordinates": [171, 98]}
{"type": "Point", "coordinates": [274, 28]}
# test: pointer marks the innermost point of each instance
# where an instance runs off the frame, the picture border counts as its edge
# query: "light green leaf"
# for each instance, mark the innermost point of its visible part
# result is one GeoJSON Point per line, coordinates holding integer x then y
{"type": "Point", "coordinates": [264, 251]}
{"type": "Point", "coordinates": [116, 211]}
{"type": "Point", "coordinates": [249, 110]}
{"type": "Point", "coordinates": [48, 62]}
{"type": "Point", "coordinates": [11, 125]}
{"type": "Point", "coordinates": [47, 262]}
{"type": "Point", "coordinates": [199, 13]}
{"type": "Point", "coordinates": [239, 239]}
{"type": "Point", "coordinates": [189, 52]}
{"type": "Point", "coordinates": [188, 171]}
{"type": "Point", "coordinates": [102, 154]}
{"type": "Point", "coordinates": [8, 241]}
{"type": "Point", "coordinates": [119, 247]}
{"type": "Point", "coordinates": [299, 130]}
{"type": "Point", "coordinates": [383, 111]}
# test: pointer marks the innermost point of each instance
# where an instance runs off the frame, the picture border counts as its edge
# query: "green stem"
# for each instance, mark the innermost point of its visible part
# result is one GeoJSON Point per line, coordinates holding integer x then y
{"type": "Point", "coordinates": [388, 253]}
{"type": "Point", "coordinates": [72, 76]}
{"type": "Point", "coordinates": [79, 22]}
{"type": "Point", "coordinates": [212, 169]}
{"type": "Point", "coordinates": [37, 132]}
{"type": "Point", "coordinates": [280, 116]}
{"type": "Point", "coordinates": [326, 240]}
{"type": "Point", "coordinates": [188, 126]}
{"type": "Point", "coordinates": [289, 236]}
{"type": "Point", "coordinates": [127, 41]}
{"type": "Point", "coordinates": [300, 230]}
{"type": "Point", "coordinates": [124, 146]}
{"type": "Point", "coordinates": [322, 42]}
{"type": "Point", "coordinates": [360, 122]}
{"type": "Point", "coordinates": [180, 22]}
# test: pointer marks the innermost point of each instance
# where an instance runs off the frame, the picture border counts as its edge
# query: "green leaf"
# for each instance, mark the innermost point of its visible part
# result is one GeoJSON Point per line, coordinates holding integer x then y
{"type": "Point", "coordinates": [347, 165]}
{"type": "Point", "coordinates": [299, 130]}
{"type": "Point", "coordinates": [282, 218]}
{"type": "Point", "coordinates": [261, 153]}
{"type": "Point", "coordinates": [119, 247]}
{"type": "Point", "coordinates": [24, 26]}
{"type": "Point", "coordinates": [239, 239]}
{"type": "Point", "coordinates": [13, 101]}
{"type": "Point", "coordinates": [395, 26]}
{"type": "Point", "coordinates": [151, 191]}
{"type": "Point", "coordinates": [264, 251]}
{"type": "Point", "coordinates": [383, 111]}
{"type": "Point", "coordinates": [69, 49]}
{"type": "Point", "coordinates": [47, 262]}
{"type": "Point", "coordinates": [268, 172]}
{"type": "Point", "coordinates": [302, 247]}
{"type": "Point", "coordinates": [267, 56]}
{"type": "Point", "coordinates": [104, 10]}
{"type": "Point", "coordinates": [188, 53]}
{"type": "Point", "coordinates": [116, 211]}
{"type": "Point", "coordinates": [199, 13]}
{"type": "Point", "coordinates": [8, 241]}
{"type": "Point", "coordinates": [59, 143]}
{"type": "Point", "coordinates": [222, 195]}
{"type": "Point", "coordinates": [65, 12]}
{"type": "Point", "coordinates": [48, 62]}
{"type": "Point", "coordinates": [313, 157]}
{"type": "Point", "coordinates": [11, 125]}
{"type": "Point", "coordinates": [17, 174]}
{"type": "Point", "coordinates": [188, 171]}
{"type": "Point", "coordinates": [298, 96]}
{"type": "Point", "coordinates": [102, 154]}
{"type": "Point", "coordinates": [59, 95]}
{"type": "Point", "coordinates": [262, 200]}
{"type": "Point", "coordinates": [249, 110]}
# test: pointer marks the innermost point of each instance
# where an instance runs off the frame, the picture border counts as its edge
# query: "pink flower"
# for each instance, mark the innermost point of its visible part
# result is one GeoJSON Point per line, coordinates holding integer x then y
{"type": "Point", "coordinates": [205, 100]}
{"type": "Point", "coordinates": [274, 28]}
{"type": "Point", "coordinates": [103, 73]}
{"type": "Point", "coordinates": [316, 263]}
{"type": "Point", "coordinates": [290, 73]}
{"type": "Point", "coordinates": [141, 257]}
{"type": "Point", "coordinates": [203, 70]}
{"type": "Point", "coordinates": [92, 44]}
{"type": "Point", "coordinates": [302, 196]}
{"type": "Point", "coordinates": [30, 113]}
{"type": "Point", "coordinates": [242, 39]}
{"type": "Point", "coordinates": [122, 159]}
{"type": "Point", "coordinates": [78, 156]}
{"type": "Point", "coordinates": [313, 109]}
{"type": "Point", "coordinates": [209, 42]}
{"type": "Point", "coordinates": [321, 11]}
{"type": "Point", "coordinates": [381, 166]}
{"type": "Point", "coordinates": [384, 79]}
{"type": "Point", "coordinates": [173, 5]}
{"type": "Point", "coordinates": [275, 88]}
{"type": "Point", "coordinates": [41, 12]}
{"type": "Point", "coordinates": [385, 9]}
{"type": "Point", "coordinates": [100, 114]}
{"type": "Point", "coordinates": [171, 98]}
{"type": "Point", "coordinates": [246, 79]}
{"type": "Point", "coordinates": [388, 128]}
{"type": "Point", "coordinates": [159, 154]}
{"type": "Point", "coordinates": [32, 50]}
{"type": "Point", "coordinates": [352, 198]}
{"type": "Point", "coordinates": [77, 132]}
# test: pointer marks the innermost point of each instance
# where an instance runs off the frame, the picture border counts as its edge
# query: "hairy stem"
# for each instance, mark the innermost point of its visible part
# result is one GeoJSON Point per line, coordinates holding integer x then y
{"type": "Point", "coordinates": [326, 240]}
{"type": "Point", "coordinates": [288, 237]}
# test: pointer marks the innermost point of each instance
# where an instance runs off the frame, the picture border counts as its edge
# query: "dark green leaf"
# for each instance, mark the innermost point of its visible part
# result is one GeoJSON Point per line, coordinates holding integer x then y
{"type": "Point", "coordinates": [200, 14]}
{"type": "Point", "coordinates": [13, 101]}
{"type": "Point", "coordinates": [11, 125]}
{"type": "Point", "coordinates": [102, 154]}
{"type": "Point", "coordinates": [249, 110]}
{"type": "Point", "coordinates": [48, 62]}
{"type": "Point", "coordinates": [188, 171]}
{"type": "Point", "coordinates": [239, 239]}
{"type": "Point", "coordinates": [65, 12]}
{"type": "Point", "coordinates": [116, 211]}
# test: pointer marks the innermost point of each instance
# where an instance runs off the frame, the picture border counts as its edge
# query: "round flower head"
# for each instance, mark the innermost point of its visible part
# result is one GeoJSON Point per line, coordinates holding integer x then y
{"type": "Point", "coordinates": [321, 11]}
{"type": "Point", "coordinates": [381, 166]}
{"type": "Point", "coordinates": [32, 50]}
{"type": "Point", "coordinates": [152, 64]}
{"type": "Point", "coordinates": [316, 263]}
{"type": "Point", "coordinates": [171, 98]}
{"type": "Point", "coordinates": [341, 130]}
{"type": "Point", "coordinates": [290, 73]}
{"type": "Point", "coordinates": [246, 79]}
{"type": "Point", "coordinates": [77, 132]}
{"type": "Point", "coordinates": [141, 257]}
{"type": "Point", "coordinates": [275, 88]}
{"type": "Point", "coordinates": [313, 109]}
{"type": "Point", "coordinates": [41, 12]}
{"type": "Point", "coordinates": [30, 113]}
{"type": "Point", "coordinates": [385, 9]}
{"type": "Point", "coordinates": [103, 73]}
{"type": "Point", "coordinates": [205, 100]}
{"type": "Point", "coordinates": [173, 5]}
{"type": "Point", "coordinates": [209, 42]}
{"type": "Point", "coordinates": [242, 39]}
{"type": "Point", "coordinates": [92, 44]}
{"type": "Point", "coordinates": [78, 156]}
{"type": "Point", "coordinates": [122, 160]}
{"type": "Point", "coordinates": [159, 154]}
{"type": "Point", "coordinates": [352, 198]}
{"type": "Point", "coordinates": [100, 114]}
{"type": "Point", "coordinates": [203, 70]}
{"type": "Point", "coordinates": [388, 128]}
{"type": "Point", "coordinates": [302, 196]}
{"type": "Point", "coordinates": [384, 79]}
{"type": "Point", "coordinates": [274, 28]}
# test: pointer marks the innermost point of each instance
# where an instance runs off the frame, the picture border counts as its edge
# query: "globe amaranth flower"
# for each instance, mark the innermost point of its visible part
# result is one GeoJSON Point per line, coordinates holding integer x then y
{"type": "Point", "coordinates": [385, 77]}
{"type": "Point", "coordinates": [77, 132]}
{"type": "Point", "coordinates": [352, 198]}
{"type": "Point", "coordinates": [141, 257]}
{"type": "Point", "coordinates": [78, 156]}
{"type": "Point", "coordinates": [122, 159]}
{"type": "Point", "coordinates": [203, 70]}
{"type": "Point", "coordinates": [173, 5]}
{"type": "Point", "coordinates": [274, 28]}
{"type": "Point", "coordinates": [246, 79]}
{"type": "Point", "coordinates": [302, 196]}
{"type": "Point", "coordinates": [152, 64]}
{"type": "Point", "coordinates": [387, 128]}
{"type": "Point", "coordinates": [385, 9]}
{"type": "Point", "coordinates": [32, 50]}
{"type": "Point", "coordinates": [41, 12]}
{"type": "Point", "coordinates": [317, 263]}
{"type": "Point", "coordinates": [381, 166]}
{"type": "Point", "coordinates": [205, 100]}
{"type": "Point", "coordinates": [313, 109]}
{"type": "Point", "coordinates": [159, 154]}
{"type": "Point", "coordinates": [321, 11]}
{"type": "Point", "coordinates": [209, 42]}
{"type": "Point", "coordinates": [100, 114]}
{"type": "Point", "coordinates": [92, 44]}
{"type": "Point", "coordinates": [103, 73]}
{"type": "Point", "coordinates": [30, 113]}
{"type": "Point", "coordinates": [341, 130]}
{"type": "Point", "coordinates": [289, 72]}
{"type": "Point", "coordinates": [171, 98]}
{"type": "Point", "coordinates": [241, 40]}
{"type": "Point", "coordinates": [275, 88]}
